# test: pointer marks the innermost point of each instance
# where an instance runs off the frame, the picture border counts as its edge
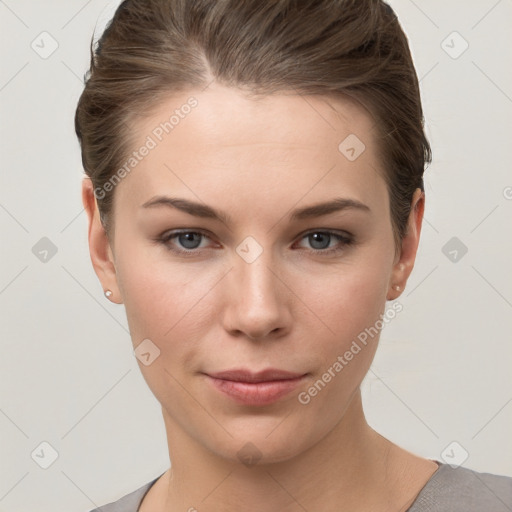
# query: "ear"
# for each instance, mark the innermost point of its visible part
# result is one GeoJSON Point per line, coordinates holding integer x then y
{"type": "Point", "coordinates": [102, 256]}
{"type": "Point", "coordinates": [404, 262]}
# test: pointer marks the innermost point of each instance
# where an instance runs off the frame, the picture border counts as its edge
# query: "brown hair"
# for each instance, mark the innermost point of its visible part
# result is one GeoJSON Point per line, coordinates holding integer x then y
{"type": "Point", "coordinates": [153, 48]}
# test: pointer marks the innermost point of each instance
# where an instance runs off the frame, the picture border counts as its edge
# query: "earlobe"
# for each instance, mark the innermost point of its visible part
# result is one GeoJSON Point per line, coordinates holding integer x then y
{"type": "Point", "coordinates": [102, 257]}
{"type": "Point", "coordinates": [403, 268]}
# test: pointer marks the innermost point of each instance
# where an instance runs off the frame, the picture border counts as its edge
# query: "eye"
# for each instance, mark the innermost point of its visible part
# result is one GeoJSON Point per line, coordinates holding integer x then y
{"type": "Point", "coordinates": [189, 241]}
{"type": "Point", "coordinates": [320, 241]}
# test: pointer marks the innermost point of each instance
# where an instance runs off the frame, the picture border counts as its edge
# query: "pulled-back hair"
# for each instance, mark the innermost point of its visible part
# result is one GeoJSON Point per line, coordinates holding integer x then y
{"type": "Point", "coordinates": [154, 48]}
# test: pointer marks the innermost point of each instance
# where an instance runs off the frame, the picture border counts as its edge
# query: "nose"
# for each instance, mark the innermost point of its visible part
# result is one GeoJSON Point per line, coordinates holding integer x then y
{"type": "Point", "coordinates": [256, 300]}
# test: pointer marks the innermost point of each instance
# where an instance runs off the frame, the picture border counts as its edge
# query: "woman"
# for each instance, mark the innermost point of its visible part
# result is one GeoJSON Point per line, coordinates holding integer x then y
{"type": "Point", "coordinates": [255, 198]}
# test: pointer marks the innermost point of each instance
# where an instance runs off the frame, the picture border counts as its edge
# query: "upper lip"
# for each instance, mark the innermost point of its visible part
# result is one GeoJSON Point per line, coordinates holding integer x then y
{"type": "Point", "coordinates": [243, 375]}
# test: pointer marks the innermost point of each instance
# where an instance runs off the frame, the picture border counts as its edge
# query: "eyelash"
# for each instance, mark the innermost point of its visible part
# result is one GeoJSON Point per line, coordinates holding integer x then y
{"type": "Point", "coordinates": [345, 240]}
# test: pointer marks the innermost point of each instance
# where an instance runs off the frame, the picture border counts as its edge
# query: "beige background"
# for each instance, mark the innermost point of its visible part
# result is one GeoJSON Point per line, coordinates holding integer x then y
{"type": "Point", "coordinates": [68, 375]}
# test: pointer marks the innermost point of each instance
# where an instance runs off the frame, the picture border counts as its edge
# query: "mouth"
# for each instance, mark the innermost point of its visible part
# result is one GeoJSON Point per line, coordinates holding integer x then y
{"type": "Point", "coordinates": [255, 388]}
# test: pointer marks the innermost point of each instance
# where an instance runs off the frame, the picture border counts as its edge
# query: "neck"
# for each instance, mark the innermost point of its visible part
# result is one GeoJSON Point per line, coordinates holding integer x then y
{"type": "Point", "coordinates": [348, 469]}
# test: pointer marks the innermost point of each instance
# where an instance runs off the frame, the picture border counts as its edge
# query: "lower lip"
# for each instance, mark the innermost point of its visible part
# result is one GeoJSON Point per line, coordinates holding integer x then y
{"type": "Point", "coordinates": [256, 393]}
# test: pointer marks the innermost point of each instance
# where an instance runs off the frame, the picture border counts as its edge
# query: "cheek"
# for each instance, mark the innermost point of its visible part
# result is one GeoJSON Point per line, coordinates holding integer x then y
{"type": "Point", "coordinates": [167, 302]}
{"type": "Point", "coordinates": [351, 305]}
{"type": "Point", "coordinates": [169, 308]}
{"type": "Point", "coordinates": [347, 300]}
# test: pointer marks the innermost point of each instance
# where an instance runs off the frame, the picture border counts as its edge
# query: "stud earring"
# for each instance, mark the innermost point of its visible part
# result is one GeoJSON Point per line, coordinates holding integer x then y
{"type": "Point", "coordinates": [108, 294]}
{"type": "Point", "coordinates": [396, 287]}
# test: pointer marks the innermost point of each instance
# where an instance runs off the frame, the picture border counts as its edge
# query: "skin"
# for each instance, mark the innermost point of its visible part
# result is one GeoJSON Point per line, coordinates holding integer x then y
{"type": "Point", "coordinates": [293, 308]}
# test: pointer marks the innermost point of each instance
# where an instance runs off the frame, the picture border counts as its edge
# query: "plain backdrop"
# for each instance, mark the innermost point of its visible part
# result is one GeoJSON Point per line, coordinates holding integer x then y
{"type": "Point", "coordinates": [440, 384]}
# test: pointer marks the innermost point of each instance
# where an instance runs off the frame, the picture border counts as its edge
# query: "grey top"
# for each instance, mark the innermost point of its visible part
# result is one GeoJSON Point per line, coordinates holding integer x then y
{"type": "Point", "coordinates": [448, 490]}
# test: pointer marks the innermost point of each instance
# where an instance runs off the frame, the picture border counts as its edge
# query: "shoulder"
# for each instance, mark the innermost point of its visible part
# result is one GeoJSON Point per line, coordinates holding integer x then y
{"type": "Point", "coordinates": [128, 503]}
{"type": "Point", "coordinates": [464, 490]}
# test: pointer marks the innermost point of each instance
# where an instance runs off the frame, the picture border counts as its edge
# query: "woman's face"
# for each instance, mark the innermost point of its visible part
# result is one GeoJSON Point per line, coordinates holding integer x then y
{"type": "Point", "coordinates": [257, 289]}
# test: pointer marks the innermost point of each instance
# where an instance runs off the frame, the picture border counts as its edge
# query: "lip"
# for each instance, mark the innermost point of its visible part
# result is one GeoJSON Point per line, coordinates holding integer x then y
{"type": "Point", "coordinates": [255, 388]}
{"type": "Point", "coordinates": [244, 375]}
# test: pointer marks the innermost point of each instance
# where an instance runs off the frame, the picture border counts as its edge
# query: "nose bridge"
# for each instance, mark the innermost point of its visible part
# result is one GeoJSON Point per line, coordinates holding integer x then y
{"type": "Point", "coordinates": [255, 292]}
{"type": "Point", "coordinates": [256, 273]}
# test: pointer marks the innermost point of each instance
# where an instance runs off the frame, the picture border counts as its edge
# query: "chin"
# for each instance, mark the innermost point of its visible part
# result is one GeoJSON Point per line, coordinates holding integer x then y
{"type": "Point", "coordinates": [261, 446]}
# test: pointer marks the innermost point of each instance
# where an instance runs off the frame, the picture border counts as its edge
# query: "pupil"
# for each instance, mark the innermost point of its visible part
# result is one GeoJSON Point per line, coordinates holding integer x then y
{"type": "Point", "coordinates": [189, 237]}
{"type": "Point", "coordinates": [317, 237]}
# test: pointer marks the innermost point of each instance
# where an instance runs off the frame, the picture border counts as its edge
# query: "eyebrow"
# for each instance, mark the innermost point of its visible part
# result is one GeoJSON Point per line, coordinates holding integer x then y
{"type": "Point", "coordinates": [205, 211]}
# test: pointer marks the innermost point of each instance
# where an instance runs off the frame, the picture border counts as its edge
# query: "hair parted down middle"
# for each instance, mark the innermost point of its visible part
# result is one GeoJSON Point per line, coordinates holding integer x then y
{"type": "Point", "coordinates": [152, 49]}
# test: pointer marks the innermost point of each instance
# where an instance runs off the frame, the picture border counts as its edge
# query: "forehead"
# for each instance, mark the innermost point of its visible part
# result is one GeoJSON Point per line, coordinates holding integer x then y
{"type": "Point", "coordinates": [226, 116]}
{"type": "Point", "coordinates": [206, 142]}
